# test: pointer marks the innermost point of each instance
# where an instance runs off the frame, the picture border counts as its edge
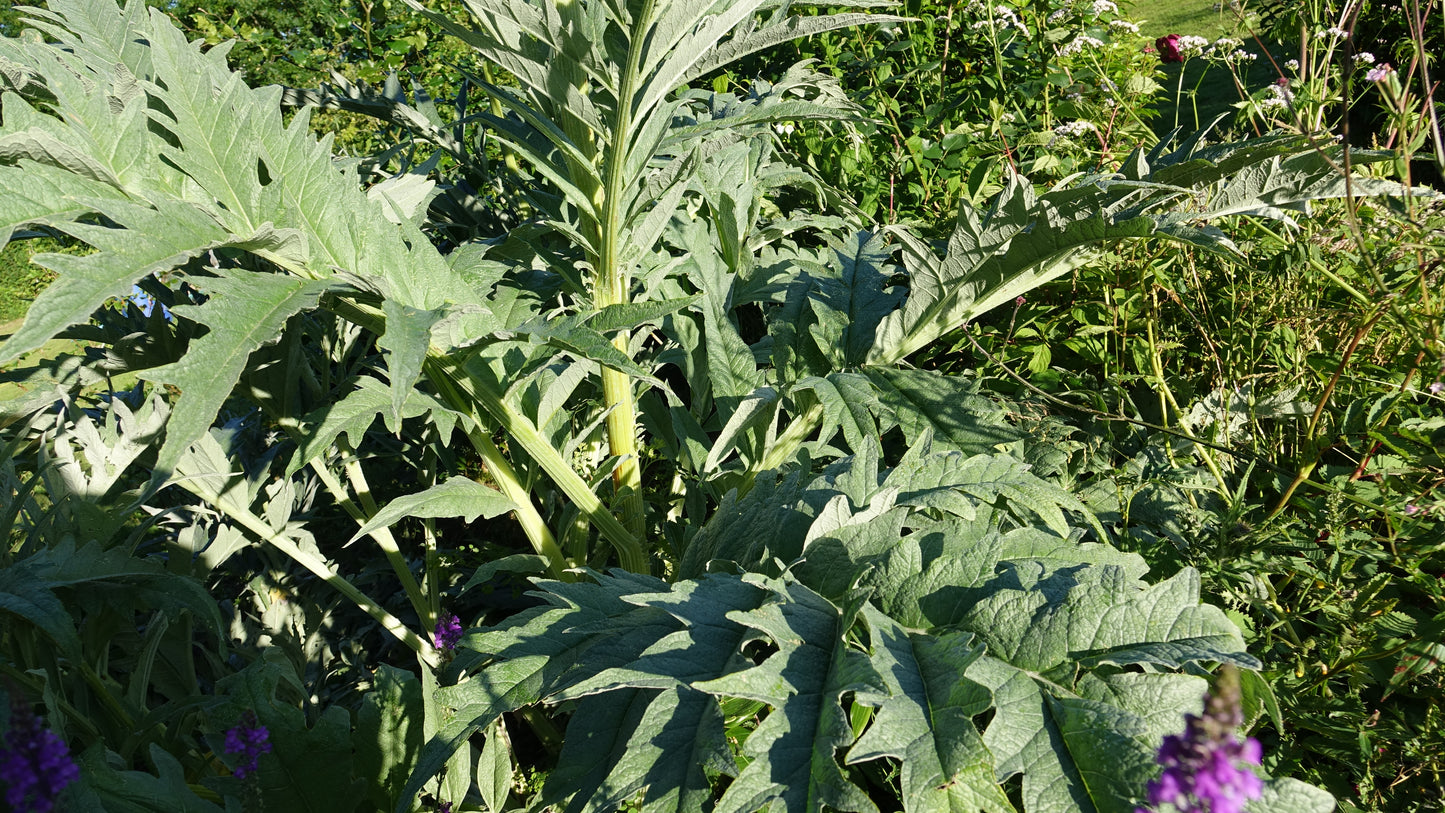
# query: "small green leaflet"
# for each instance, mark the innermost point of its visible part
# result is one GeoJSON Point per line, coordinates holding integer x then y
{"type": "Point", "coordinates": [457, 497]}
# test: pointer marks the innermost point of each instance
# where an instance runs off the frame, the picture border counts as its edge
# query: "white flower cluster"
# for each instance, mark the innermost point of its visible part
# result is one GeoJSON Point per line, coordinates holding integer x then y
{"type": "Point", "coordinates": [1364, 58]}
{"type": "Point", "coordinates": [1225, 49]}
{"type": "Point", "coordinates": [1191, 46]}
{"type": "Point", "coordinates": [1278, 98]}
{"type": "Point", "coordinates": [1332, 33]}
{"type": "Point", "coordinates": [1001, 16]}
{"type": "Point", "coordinates": [1079, 44]}
{"type": "Point", "coordinates": [1075, 129]}
{"type": "Point", "coordinates": [1101, 7]}
{"type": "Point", "coordinates": [1124, 25]}
{"type": "Point", "coordinates": [1293, 65]}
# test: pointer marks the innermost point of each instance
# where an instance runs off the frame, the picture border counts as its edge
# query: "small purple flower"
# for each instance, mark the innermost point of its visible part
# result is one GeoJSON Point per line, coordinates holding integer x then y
{"type": "Point", "coordinates": [1436, 388]}
{"type": "Point", "coordinates": [445, 808]}
{"type": "Point", "coordinates": [247, 740]}
{"type": "Point", "coordinates": [35, 765]}
{"type": "Point", "coordinates": [1168, 47]}
{"type": "Point", "coordinates": [1206, 769]}
{"type": "Point", "coordinates": [448, 632]}
{"type": "Point", "coordinates": [1379, 72]}
{"type": "Point", "coordinates": [1411, 510]}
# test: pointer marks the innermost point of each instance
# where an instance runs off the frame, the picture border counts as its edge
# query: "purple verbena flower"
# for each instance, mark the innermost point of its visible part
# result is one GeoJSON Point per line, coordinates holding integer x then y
{"type": "Point", "coordinates": [248, 739]}
{"type": "Point", "coordinates": [1206, 769]}
{"type": "Point", "coordinates": [448, 632]}
{"type": "Point", "coordinates": [35, 765]}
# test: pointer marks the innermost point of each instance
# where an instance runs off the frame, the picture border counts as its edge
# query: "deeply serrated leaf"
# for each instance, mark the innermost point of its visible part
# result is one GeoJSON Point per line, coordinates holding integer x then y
{"type": "Point", "coordinates": [793, 751]}
{"type": "Point", "coordinates": [924, 720]}
{"type": "Point", "coordinates": [244, 312]}
{"type": "Point", "coordinates": [406, 341]}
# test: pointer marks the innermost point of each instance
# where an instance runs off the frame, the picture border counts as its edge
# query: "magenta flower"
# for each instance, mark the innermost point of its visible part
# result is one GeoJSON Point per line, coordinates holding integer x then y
{"type": "Point", "coordinates": [35, 765]}
{"type": "Point", "coordinates": [1168, 47]}
{"type": "Point", "coordinates": [448, 632]}
{"type": "Point", "coordinates": [247, 740]}
{"type": "Point", "coordinates": [1206, 769]}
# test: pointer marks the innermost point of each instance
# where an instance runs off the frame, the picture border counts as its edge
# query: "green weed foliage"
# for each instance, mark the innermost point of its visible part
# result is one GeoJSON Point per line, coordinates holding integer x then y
{"type": "Point", "coordinates": [905, 428]}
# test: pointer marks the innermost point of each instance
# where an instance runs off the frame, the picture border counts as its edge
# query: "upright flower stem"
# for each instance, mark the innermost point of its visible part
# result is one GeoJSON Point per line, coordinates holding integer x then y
{"type": "Point", "coordinates": [613, 287]}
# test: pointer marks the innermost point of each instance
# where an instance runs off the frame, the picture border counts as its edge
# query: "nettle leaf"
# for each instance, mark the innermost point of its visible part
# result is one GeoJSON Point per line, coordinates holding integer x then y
{"type": "Point", "coordinates": [793, 752]}
{"type": "Point", "coordinates": [925, 719]}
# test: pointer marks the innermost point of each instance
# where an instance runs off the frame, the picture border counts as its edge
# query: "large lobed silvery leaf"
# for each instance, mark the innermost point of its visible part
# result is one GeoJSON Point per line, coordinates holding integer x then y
{"type": "Point", "coordinates": [180, 159]}
{"type": "Point", "coordinates": [1023, 240]}
{"type": "Point", "coordinates": [1047, 627]}
{"type": "Point", "coordinates": [647, 663]}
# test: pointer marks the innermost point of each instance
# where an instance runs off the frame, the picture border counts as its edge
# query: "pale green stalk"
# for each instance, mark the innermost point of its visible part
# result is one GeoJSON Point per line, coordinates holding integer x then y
{"type": "Point", "coordinates": [383, 538]}
{"type": "Point", "coordinates": [317, 566]}
{"type": "Point", "coordinates": [613, 287]}
{"type": "Point", "coordinates": [464, 392]}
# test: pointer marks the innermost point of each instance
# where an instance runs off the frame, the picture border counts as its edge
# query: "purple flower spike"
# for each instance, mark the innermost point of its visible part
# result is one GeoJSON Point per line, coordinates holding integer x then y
{"type": "Point", "coordinates": [35, 765]}
{"type": "Point", "coordinates": [248, 740]}
{"type": "Point", "coordinates": [1206, 769]}
{"type": "Point", "coordinates": [448, 632]}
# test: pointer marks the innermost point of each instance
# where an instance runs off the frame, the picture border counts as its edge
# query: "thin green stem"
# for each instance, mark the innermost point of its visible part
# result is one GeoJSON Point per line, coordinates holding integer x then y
{"type": "Point", "coordinates": [464, 391]}
{"type": "Point", "coordinates": [383, 538]}
{"type": "Point", "coordinates": [316, 565]}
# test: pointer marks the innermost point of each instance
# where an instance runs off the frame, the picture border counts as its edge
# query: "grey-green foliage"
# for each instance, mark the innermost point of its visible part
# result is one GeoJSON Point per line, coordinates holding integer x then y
{"type": "Point", "coordinates": [184, 162]}
{"type": "Point", "coordinates": [657, 241]}
{"type": "Point", "coordinates": [932, 620]}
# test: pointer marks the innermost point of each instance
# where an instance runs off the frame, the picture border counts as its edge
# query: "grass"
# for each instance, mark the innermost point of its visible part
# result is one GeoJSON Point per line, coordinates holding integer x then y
{"type": "Point", "coordinates": [1206, 91]}
{"type": "Point", "coordinates": [20, 282]}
